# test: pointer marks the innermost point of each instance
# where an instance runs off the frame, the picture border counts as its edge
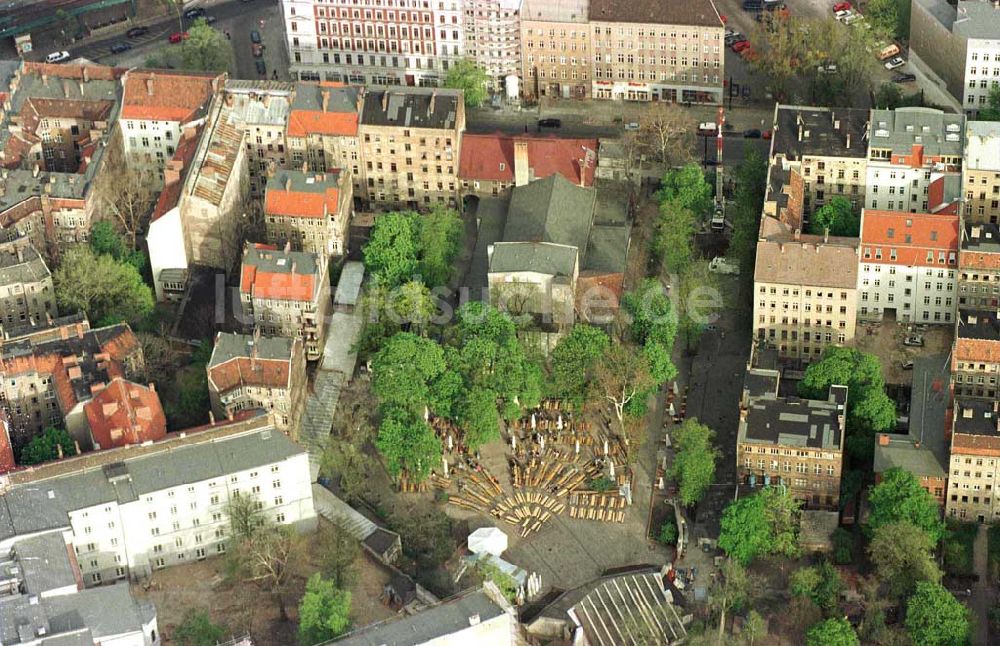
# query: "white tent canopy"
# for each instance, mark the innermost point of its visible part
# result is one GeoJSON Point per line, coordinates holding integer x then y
{"type": "Point", "coordinates": [489, 540]}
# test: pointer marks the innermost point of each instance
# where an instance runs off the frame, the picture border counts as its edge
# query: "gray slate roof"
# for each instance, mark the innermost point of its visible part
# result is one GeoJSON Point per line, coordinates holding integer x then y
{"type": "Point", "coordinates": [540, 257]}
{"type": "Point", "coordinates": [977, 19]}
{"type": "Point", "coordinates": [607, 249]}
{"type": "Point", "coordinates": [230, 346]}
{"type": "Point", "coordinates": [791, 421]}
{"type": "Point", "coordinates": [551, 210]}
{"type": "Point", "coordinates": [309, 96]}
{"type": "Point", "coordinates": [411, 107]}
{"type": "Point", "coordinates": [28, 267]}
{"type": "Point", "coordinates": [44, 563]}
{"type": "Point", "coordinates": [938, 132]}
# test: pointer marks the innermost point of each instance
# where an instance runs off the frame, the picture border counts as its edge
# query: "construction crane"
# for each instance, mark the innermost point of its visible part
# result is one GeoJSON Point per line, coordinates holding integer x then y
{"type": "Point", "coordinates": [719, 214]}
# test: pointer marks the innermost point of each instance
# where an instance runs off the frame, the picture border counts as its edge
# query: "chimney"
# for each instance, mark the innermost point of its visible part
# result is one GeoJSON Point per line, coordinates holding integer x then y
{"type": "Point", "coordinates": [149, 86]}
{"type": "Point", "coordinates": [385, 101]}
{"type": "Point", "coordinates": [253, 350]}
{"type": "Point", "coordinates": [326, 99]}
{"type": "Point", "coordinates": [59, 451]}
{"type": "Point", "coordinates": [288, 246]}
{"type": "Point", "coordinates": [86, 74]}
{"type": "Point", "coordinates": [848, 139]}
{"type": "Point", "coordinates": [826, 234]}
{"type": "Point", "coordinates": [797, 235]}
{"type": "Point", "coordinates": [521, 172]}
{"type": "Point", "coordinates": [215, 84]}
{"type": "Point", "coordinates": [800, 132]}
{"type": "Point", "coordinates": [45, 80]}
{"type": "Point", "coordinates": [288, 183]}
{"type": "Point", "coordinates": [79, 330]}
{"type": "Point", "coordinates": [34, 171]}
{"type": "Point", "coordinates": [211, 418]}
{"type": "Point", "coordinates": [434, 94]}
{"type": "Point", "coordinates": [305, 167]}
{"type": "Point", "coordinates": [152, 386]}
{"type": "Point", "coordinates": [883, 439]}
{"type": "Point", "coordinates": [294, 267]}
{"type": "Point", "coordinates": [66, 88]}
{"type": "Point", "coordinates": [76, 443]}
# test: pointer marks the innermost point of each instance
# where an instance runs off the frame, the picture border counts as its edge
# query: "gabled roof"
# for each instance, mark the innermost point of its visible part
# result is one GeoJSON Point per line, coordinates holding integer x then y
{"type": "Point", "coordinates": [324, 109]}
{"type": "Point", "coordinates": [491, 157]}
{"type": "Point", "coordinates": [912, 235]}
{"type": "Point", "coordinates": [181, 161]}
{"type": "Point", "coordinates": [280, 275]}
{"type": "Point", "coordinates": [551, 210]}
{"type": "Point", "coordinates": [241, 359]}
{"type": "Point", "coordinates": [125, 413]}
{"type": "Point", "coordinates": [303, 195]}
{"type": "Point", "coordinates": [164, 95]}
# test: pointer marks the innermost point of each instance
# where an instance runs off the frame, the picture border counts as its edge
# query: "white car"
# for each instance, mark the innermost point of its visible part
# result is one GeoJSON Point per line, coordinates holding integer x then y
{"type": "Point", "coordinates": [57, 57]}
{"type": "Point", "coordinates": [842, 14]}
{"type": "Point", "coordinates": [720, 265]}
{"type": "Point", "coordinates": [894, 62]}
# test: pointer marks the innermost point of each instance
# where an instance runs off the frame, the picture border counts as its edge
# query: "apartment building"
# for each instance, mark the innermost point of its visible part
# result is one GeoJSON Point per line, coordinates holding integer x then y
{"type": "Point", "coordinates": [976, 356]}
{"type": "Point", "coordinates": [390, 42]}
{"type": "Point", "coordinates": [411, 146]}
{"type": "Point", "coordinates": [817, 154]}
{"type": "Point", "coordinates": [155, 107]}
{"type": "Point", "coordinates": [981, 171]}
{"type": "Point", "coordinates": [805, 290]}
{"type": "Point", "coordinates": [647, 51]}
{"type": "Point", "coordinates": [493, 37]}
{"type": "Point", "coordinates": [286, 293]}
{"type": "Point", "coordinates": [123, 413]}
{"type": "Point", "coordinates": [909, 267]}
{"type": "Point", "coordinates": [55, 120]}
{"type": "Point", "coordinates": [798, 443]}
{"type": "Point", "coordinates": [975, 458]}
{"type": "Point", "coordinates": [41, 603]}
{"type": "Point", "coordinates": [130, 511]}
{"type": "Point", "coordinates": [26, 291]}
{"type": "Point", "coordinates": [260, 109]}
{"type": "Point", "coordinates": [491, 164]}
{"type": "Point", "coordinates": [51, 372]}
{"type": "Point", "coordinates": [959, 45]}
{"type": "Point", "coordinates": [323, 128]}
{"type": "Point", "coordinates": [914, 161]}
{"type": "Point", "coordinates": [979, 267]}
{"type": "Point", "coordinates": [556, 49]}
{"type": "Point", "coordinates": [257, 372]}
{"type": "Point", "coordinates": [309, 210]}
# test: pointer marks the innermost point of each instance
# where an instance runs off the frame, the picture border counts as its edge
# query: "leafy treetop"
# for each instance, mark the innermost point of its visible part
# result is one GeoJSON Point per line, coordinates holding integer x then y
{"type": "Point", "coordinates": [899, 497]}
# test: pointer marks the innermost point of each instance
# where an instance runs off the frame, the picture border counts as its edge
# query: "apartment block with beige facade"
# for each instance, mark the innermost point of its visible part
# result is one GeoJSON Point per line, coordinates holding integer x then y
{"type": "Point", "coordinates": [975, 359]}
{"type": "Point", "coordinates": [410, 144]}
{"type": "Point", "coordinates": [795, 442]}
{"type": "Point", "coordinates": [27, 296]}
{"type": "Point", "coordinates": [260, 109]}
{"type": "Point", "coordinates": [492, 37]}
{"type": "Point", "coordinates": [309, 210]}
{"type": "Point", "coordinates": [974, 467]}
{"type": "Point", "coordinates": [979, 267]}
{"type": "Point", "coordinates": [323, 127]}
{"type": "Point", "coordinates": [646, 50]}
{"type": "Point", "coordinates": [805, 291]}
{"type": "Point", "coordinates": [981, 172]}
{"type": "Point", "coordinates": [556, 58]}
{"type": "Point", "coordinates": [286, 293]}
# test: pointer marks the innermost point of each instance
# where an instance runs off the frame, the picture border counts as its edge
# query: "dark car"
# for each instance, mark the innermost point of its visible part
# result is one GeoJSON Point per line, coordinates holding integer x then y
{"type": "Point", "coordinates": [753, 133]}
{"type": "Point", "coordinates": [549, 123]}
{"type": "Point", "coordinates": [261, 68]}
{"type": "Point", "coordinates": [118, 48]}
{"type": "Point", "coordinates": [196, 12]}
{"type": "Point", "coordinates": [255, 36]}
{"type": "Point", "coordinates": [904, 78]}
{"type": "Point", "coordinates": [135, 32]}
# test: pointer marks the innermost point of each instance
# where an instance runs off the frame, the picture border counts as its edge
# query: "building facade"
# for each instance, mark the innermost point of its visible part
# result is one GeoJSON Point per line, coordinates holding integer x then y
{"type": "Point", "coordinates": [981, 172]}
{"type": "Point", "coordinates": [248, 372]}
{"type": "Point", "coordinates": [795, 442]}
{"type": "Point", "coordinates": [975, 462]}
{"type": "Point", "coordinates": [647, 51]}
{"type": "Point", "coordinates": [410, 42]}
{"type": "Point", "coordinates": [979, 267]}
{"type": "Point", "coordinates": [976, 355]}
{"type": "Point", "coordinates": [909, 267]}
{"type": "Point", "coordinates": [556, 59]}
{"type": "Point", "coordinates": [310, 210]}
{"type": "Point", "coordinates": [286, 293]}
{"type": "Point", "coordinates": [27, 295]}
{"type": "Point", "coordinates": [914, 161]}
{"type": "Point", "coordinates": [493, 37]}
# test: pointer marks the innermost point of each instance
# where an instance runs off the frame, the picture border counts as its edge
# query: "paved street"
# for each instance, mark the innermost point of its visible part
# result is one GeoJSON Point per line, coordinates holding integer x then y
{"type": "Point", "coordinates": [982, 595]}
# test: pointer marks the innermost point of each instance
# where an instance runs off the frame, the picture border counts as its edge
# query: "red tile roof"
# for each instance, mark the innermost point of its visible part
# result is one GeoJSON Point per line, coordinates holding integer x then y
{"type": "Point", "coordinates": [7, 462]}
{"type": "Point", "coordinates": [241, 371]}
{"type": "Point", "coordinates": [76, 72]}
{"type": "Point", "coordinates": [283, 286]}
{"type": "Point", "coordinates": [171, 192]}
{"type": "Point", "coordinates": [977, 350]}
{"type": "Point", "coordinates": [166, 96]}
{"type": "Point", "coordinates": [491, 157]}
{"type": "Point", "coordinates": [125, 413]}
{"type": "Point", "coordinates": [300, 204]}
{"type": "Point", "coordinates": [979, 260]}
{"type": "Point", "coordinates": [302, 123]}
{"type": "Point", "coordinates": [935, 233]}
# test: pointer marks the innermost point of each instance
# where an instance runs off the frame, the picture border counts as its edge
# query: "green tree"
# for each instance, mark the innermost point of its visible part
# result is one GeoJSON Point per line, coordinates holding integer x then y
{"type": "Point", "coordinates": [68, 25]}
{"type": "Point", "coordinates": [206, 50]}
{"type": "Point", "coordinates": [104, 239]}
{"type": "Point", "coordinates": [901, 555]}
{"type": "Point", "coordinates": [107, 290]}
{"type": "Point", "coordinates": [324, 611]}
{"type": "Point", "coordinates": [465, 75]}
{"type": "Point", "coordinates": [45, 447]}
{"type": "Point", "coordinates": [889, 18]}
{"type": "Point", "coordinates": [622, 376]}
{"type": "Point", "coordinates": [832, 632]}
{"type": "Point", "coordinates": [479, 417]}
{"type": "Point", "coordinates": [572, 363]}
{"type": "Point", "coordinates": [934, 617]}
{"type": "Point", "coordinates": [411, 306]}
{"type": "Point", "coordinates": [900, 498]}
{"type": "Point", "coordinates": [745, 210]}
{"type": "Point", "coordinates": [687, 187]}
{"type": "Point", "coordinates": [694, 461]}
{"type": "Point", "coordinates": [695, 285]}
{"type": "Point", "coordinates": [992, 110]}
{"type": "Point", "coordinates": [440, 240]}
{"type": "Point", "coordinates": [668, 532]}
{"type": "Point", "coordinates": [392, 249]}
{"type": "Point", "coordinates": [654, 327]}
{"type": "Point", "coordinates": [407, 443]}
{"type": "Point", "coordinates": [197, 629]}
{"type": "Point", "coordinates": [503, 581]}
{"type": "Point", "coordinates": [733, 591]}
{"type": "Point", "coordinates": [843, 546]}
{"type": "Point", "coordinates": [673, 240]}
{"type": "Point", "coordinates": [782, 51]}
{"type": "Point", "coordinates": [888, 96]}
{"type": "Point", "coordinates": [753, 627]}
{"type": "Point", "coordinates": [339, 551]}
{"type": "Point", "coordinates": [761, 524]}
{"type": "Point", "coordinates": [837, 218]}
{"type": "Point", "coordinates": [820, 583]}
{"type": "Point", "coordinates": [403, 370]}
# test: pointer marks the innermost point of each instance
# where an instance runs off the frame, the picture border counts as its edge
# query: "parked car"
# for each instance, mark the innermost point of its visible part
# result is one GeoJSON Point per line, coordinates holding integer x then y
{"type": "Point", "coordinates": [178, 36]}
{"type": "Point", "coordinates": [740, 45]}
{"type": "Point", "coordinates": [57, 57]}
{"type": "Point", "coordinates": [842, 6]}
{"type": "Point", "coordinates": [720, 265]}
{"type": "Point", "coordinates": [904, 78]}
{"type": "Point", "coordinates": [255, 36]}
{"type": "Point", "coordinates": [550, 123]}
{"type": "Point", "coordinates": [196, 12]}
{"type": "Point", "coordinates": [752, 133]}
{"type": "Point", "coordinates": [118, 48]}
{"type": "Point", "coordinates": [766, 134]}
{"type": "Point", "coordinates": [828, 68]}
{"type": "Point", "coordinates": [261, 68]}
{"type": "Point", "coordinates": [888, 51]}
{"type": "Point", "coordinates": [632, 125]}
{"type": "Point", "coordinates": [258, 50]}
{"type": "Point", "coordinates": [135, 32]}
{"type": "Point", "coordinates": [843, 13]}
{"type": "Point", "coordinates": [914, 340]}
{"type": "Point", "coordinates": [894, 63]}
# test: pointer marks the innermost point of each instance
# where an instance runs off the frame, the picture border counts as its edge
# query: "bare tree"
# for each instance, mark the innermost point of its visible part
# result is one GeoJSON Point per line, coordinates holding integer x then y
{"type": "Point", "coordinates": [622, 376]}
{"type": "Point", "coordinates": [125, 192]}
{"type": "Point", "coordinates": [346, 456]}
{"type": "Point", "coordinates": [667, 131]}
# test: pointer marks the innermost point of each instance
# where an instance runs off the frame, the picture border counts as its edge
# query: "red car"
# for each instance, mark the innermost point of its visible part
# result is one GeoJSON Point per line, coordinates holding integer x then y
{"type": "Point", "coordinates": [178, 36]}
{"type": "Point", "coordinates": [842, 6]}
{"type": "Point", "coordinates": [766, 134]}
{"type": "Point", "coordinates": [740, 45]}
